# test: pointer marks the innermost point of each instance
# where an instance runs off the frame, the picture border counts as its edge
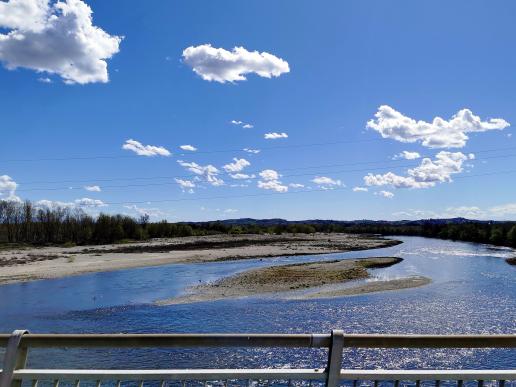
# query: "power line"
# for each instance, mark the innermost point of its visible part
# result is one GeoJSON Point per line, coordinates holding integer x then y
{"type": "Point", "coordinates": [283, 176]}
{"type": "Point", "coordinates": [264, 194]}
{"type": "Point", "coordinates": [183, 154]}
{"type": "Point", "coordinates": [69, 158]}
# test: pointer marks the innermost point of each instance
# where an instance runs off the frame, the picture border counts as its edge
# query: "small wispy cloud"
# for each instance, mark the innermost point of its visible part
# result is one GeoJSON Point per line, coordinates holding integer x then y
{"type": "Point", "coordinates": [189, 148]}
{"type": "Point", "coordinates": [385, 194]}
{"type": "Point", "coordinates": [145, 150]}
{"type": "Point", "coordinates": [275, 136]}
{"type": "Point", "coordinates": [92, 188]}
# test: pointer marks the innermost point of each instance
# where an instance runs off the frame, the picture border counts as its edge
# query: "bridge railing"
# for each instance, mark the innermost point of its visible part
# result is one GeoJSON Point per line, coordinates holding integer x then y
{"type": "Point", "coordinates": [17, 344]}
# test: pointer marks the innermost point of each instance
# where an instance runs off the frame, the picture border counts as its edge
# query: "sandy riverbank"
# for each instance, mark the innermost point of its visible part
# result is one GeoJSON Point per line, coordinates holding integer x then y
{"type": "Point", "coordinates": [27, 264]}
{"type": "Point", "coordinates": [293, 277]}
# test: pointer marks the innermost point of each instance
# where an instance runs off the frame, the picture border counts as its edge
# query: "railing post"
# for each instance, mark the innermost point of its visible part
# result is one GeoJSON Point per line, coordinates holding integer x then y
{"type": "Point", "coordinates": [15, 358]}
{"type": "Point", "coordinates": [335, 358]}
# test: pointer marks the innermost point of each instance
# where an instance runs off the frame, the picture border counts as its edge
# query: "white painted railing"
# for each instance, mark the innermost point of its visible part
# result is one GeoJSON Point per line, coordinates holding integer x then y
{"type": "Point", "coordinates": [18, 344]}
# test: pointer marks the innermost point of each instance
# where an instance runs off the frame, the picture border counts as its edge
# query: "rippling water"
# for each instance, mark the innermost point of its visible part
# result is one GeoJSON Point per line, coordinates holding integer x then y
{"type": "Point", "coordinates": [473, 291]}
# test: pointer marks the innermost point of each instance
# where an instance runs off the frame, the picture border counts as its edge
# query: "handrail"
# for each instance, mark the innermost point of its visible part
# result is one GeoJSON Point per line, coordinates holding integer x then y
{"type": "Point", "coordinates": [20, 342]}
{"type": "Point", "coordinates": [261, 340]}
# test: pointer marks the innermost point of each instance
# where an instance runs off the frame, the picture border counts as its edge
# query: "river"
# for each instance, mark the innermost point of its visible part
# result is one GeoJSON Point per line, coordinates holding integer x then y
{"type": "Point", "coordinates": [473, 290]}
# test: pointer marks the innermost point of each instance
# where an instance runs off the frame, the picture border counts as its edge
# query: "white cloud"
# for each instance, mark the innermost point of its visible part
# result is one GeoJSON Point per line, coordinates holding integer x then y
{"type": "Point", "coordinates": [360, 189]}
{"type": "Point", "coordinates": [145, 150]}
{"type": "Point", "coordinates": [23, 14]}
{"type": "Point", "coordinates": [426, 175]}
{"type": "Point", "coordinates": [199, 169]}
{"type": "Point", "coordinates": [190, 148]}
{"type": "Point", "coordinates": [56, 38]}
{"type": "Point", "coordinates": [269, 174]}
{"type": "Point", "coordinates": [45, 80]}
{"type": "Point", "coordinates": [407, 155]}
{"type": "Point", "coordinates": [220, 65]}
{"type": "Point", "coordinates": [275, 136]}
{"type": "Point", "coordinates": [92, 188]}
{"type": "Point", "coordinates": [242, 124]}
{"type": "Point", "coordinates": [186, 185]}
{"type": "Point", "coordinates": [504, 210]}
{"type": "Point", "coordinates": [385, 194]}
{"type": "Point", "coordinates": [296, 185]}
{"type": "Point", "coordinates": [436, 134]}
{"type": "Point", "coordinates": [253, 151]}
{"type": "Point", "coordinates": [87, 202]}
{"type": "Point", "coordinates": [463, 212]}
{"type": "Point", "coordinates": [241, 176]}
{"type": "Point", "coordinates": [8, 188]}
{"type": "Point", "coordinates": [326, 181]}
{"type": "Point", "coordinates": [230, 210]}
{"type": "Point", "coordinates": [271, 181]}
{"type": "Point", "coordinates": [237, 165]}
{"type": "Point", "coordinates": [209, 172]}
{"type": "Point", "coordinates": [274, 185]}
{"type": "Point", "coordinates": [152, 212]}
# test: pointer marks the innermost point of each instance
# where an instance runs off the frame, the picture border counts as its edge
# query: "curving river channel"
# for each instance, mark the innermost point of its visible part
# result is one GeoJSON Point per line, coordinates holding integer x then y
{"type": "Point", "coordinates": [473, 290]}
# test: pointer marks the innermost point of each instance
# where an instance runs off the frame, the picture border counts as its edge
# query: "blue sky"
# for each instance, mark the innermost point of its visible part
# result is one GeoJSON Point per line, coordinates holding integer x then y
{"type": "Point", "coordinates": [328, 70]}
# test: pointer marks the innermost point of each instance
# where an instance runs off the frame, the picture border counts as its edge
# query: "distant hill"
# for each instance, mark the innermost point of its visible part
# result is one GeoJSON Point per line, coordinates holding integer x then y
{"type": "Point", "coordinates": [284, 222]}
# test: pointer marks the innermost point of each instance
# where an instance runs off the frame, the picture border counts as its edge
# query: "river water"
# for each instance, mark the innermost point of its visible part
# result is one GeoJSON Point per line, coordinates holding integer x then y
{"type": "Point", "coordinates": [473, 290]}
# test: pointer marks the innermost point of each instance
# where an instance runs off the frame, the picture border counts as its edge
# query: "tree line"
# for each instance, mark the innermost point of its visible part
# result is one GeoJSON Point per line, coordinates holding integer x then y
{"type": "Point", "coordinates": [26, 223]}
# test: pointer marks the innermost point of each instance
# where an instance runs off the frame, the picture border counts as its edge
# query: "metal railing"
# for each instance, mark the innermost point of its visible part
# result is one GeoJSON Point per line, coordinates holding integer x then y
{"type": "Point", "coordinates": [14, 370]}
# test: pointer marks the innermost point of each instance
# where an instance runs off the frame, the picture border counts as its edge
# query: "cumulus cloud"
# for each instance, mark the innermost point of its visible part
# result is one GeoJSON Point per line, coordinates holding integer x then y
{"type": "Point", "coordinates": [270, 180]}
{"type": "Point", "coordinates": [275, 136]}
{"type": "Point", "coordinates": [209, 172]}
{"type": "Point", "coordinates": [237, 122]}
{"type": "Point", "coordinates": [8, 188]}
{"type": "Point", "coordinates": [145, 150]}
{"type": "Point", "coordinates": [220, 65]}
{"type": "Point", "coordinates": [436, 134]}
{"type": "Point", "coordinates": [426, 175]}
{"type": "Point", "coordinates": [407, 155]}
{"type": "Point", "coordinates": [189, 148]}
{"type": "Point", "coordinates": [274, 185]}
{"type": "Point", "coordinates": [296, 185]}
{"type": "Point", "coordinates": [385, 194]}
{"type": "Point", "coordinates": [247, 126]}
{"type": "Point", "coordinates": [92, 188]}
{"type": "Point", "coordinates": [186, 185]}
{"type": "Point", "coordinates": [326, 181]}
{"type": "Point", "coordinates": [360, 189]}
{"type": "Point", "coordinates": [56, 38]}
{"type": "Point", "coordinates": [269, 174]}
{"type": "Point", "coordinates": [237, 165]}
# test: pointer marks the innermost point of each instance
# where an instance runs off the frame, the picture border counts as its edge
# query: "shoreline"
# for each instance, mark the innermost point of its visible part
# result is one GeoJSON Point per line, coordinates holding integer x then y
{"type": "Point", "coordinates": [304, 278]}
{"type": "Point", "coordinates": [28, 264]}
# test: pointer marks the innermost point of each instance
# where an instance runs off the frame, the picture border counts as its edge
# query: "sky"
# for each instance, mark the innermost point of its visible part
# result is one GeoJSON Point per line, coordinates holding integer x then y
{"type": "Point", "coordinates": [190, 110]}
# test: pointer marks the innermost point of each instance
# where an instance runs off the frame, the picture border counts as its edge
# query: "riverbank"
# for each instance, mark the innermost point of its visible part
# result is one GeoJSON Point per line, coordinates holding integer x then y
{"type": "Point", "coordinates": [27, 264]}
{"type": "Point", "coordinates": [294, 277]}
